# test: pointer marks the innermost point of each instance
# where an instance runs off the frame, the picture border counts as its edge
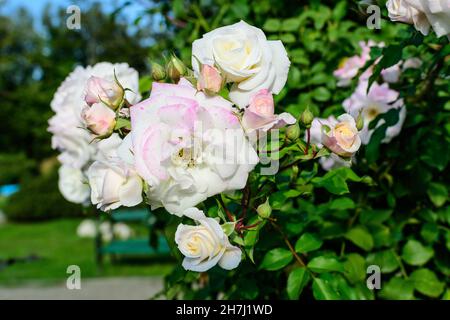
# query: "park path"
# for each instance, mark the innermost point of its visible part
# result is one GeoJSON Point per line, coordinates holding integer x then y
{"type": "Point", "coordinates": [129, 288]}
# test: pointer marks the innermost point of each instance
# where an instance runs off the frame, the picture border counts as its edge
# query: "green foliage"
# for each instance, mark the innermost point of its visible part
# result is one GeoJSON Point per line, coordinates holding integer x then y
{"type": "Point", "coordinates": [390, 209]}
{"type": "Point", "coordinates": [40, 199]}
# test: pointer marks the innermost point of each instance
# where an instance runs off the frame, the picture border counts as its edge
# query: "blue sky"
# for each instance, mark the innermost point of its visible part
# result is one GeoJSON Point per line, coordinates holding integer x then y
{"type": "Point", "coordinates": [36, 7]}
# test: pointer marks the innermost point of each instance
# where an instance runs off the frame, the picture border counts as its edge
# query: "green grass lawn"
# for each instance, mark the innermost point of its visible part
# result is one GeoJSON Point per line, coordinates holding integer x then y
{"type": "Point", "coordinates": [58, 246]}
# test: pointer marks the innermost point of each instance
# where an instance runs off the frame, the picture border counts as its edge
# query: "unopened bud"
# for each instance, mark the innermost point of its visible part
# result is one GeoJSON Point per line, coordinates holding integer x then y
{"type": "Point", "coordinates": [307, 117]}
{"type": "Point", "coordinates": [293, 132]}
{"type": "Point", "coordinates": [158, 72]}
{"type": "Point", "coordinates": [264, 210]}
{"type": "Point", "coordinates": [175, 68]}
{"type": "Point", "coordinates": [359, 122]}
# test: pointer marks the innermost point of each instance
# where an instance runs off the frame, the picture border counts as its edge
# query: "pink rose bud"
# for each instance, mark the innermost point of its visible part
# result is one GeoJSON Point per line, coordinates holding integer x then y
{"type": "Point", "coordinates": [102, 90]}
{"type": "Point", "coordinates": [260, 114]}
{"type": "Point", "coordinates": [209, 79]}
{"type": "Point", "coordinates": [99, 119]}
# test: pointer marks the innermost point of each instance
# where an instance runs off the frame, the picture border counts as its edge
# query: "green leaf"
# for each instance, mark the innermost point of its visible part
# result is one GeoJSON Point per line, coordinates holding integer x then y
{"type": "Point", "coordinates": [398, 289]}
{"type": "Point", "coordinates": [335, 180]}
{"type": "Point", "coordinates": [287, 38]}
{"type": "Point", "coordinates": [426, 282]}
{"type": "Point", "coordinates": [278, 199]}
{"type": "Point", "coordinates": [228, 227]}
{"type": "Point", "coordinates": [122, 123]}
{"type": "Point", "coordinates": [360, 237]}
{"type": "Point", "coordinates": [355, 268]}
{"type": "Point", "coordinates": [297, 280]}
{"type": "Point", "coordinates": [321, 94]}
{"type": "Point", "coordinates": [343, 203]}
{"type": "Point", "coordinates": [416, 254]}
{"type": "Point", "coordinates": [323, 290]}
{"type": "Point", "coordinates": [308, 242]}
{"type": "Point", "coordinates": [291, 24]}
{"type": "Point", "coordinates": [373, 148]}
{"type": "Point", "coordinates": [374, 216]}
{"type": "Point", "coordinates": [325, 264]}
{"type": "Point", "coordinates": [386, 260]}
{"type": "Point", "coordinates": [438, 193]}
{"type": "Point", "coordinates": [272, 25]}
{"type": "Point", "coordinates": [144, 83]}
{"type": "Point", "coordinates": [276, 259]}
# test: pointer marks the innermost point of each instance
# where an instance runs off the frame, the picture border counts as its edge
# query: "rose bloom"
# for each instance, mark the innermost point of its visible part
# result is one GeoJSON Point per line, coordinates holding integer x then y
{"type": "Point", "coordinates": [245, 57]}
{"type": "Point", "coordinates": [209, 79]}
{"type": "Point", "coordinates": [101, 90]}
{"type": "Point", "coordinates": [380, 99]}
{"type": "Point", "coordinates": [205, 244]}
{"type": "Point", "coordinates": [187, 146]}
{"type": "Point", "coordinates": [72, 184]}
{"type": "Point", "coordinates": [259, 115]}
{"type": "Point", "coordinates": [349, 67]}
{"type": "Point", "coordinates": [99, 119]}
{"type": "Point", "coordinates": [114, 184]}
{"type": "Point", "coordinates": [332, 161]}
{"type": "Point", "coordinates": [342, 138]}
{"type": "Point", "coordinates": [422, 14]}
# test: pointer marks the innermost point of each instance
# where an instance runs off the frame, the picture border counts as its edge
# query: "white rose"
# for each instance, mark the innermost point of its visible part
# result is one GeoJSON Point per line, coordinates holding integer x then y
{"type": "Point", "coordinates": [422, 13]}
{"type": "Point", "coordinates": [206, 244]}
{"type": "Point", "coordinates": [73, 185]}
{"type": "Point", "coordinates": [114, 185]}
{"type": "Point", "coordinates": [245, 57]}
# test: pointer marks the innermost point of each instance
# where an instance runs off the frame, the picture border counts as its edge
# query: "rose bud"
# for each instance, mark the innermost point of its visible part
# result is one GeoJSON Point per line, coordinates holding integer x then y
{"type": "Point", "coordinates": [99, 119]}
{"type": "Point", "coordinates": [175, 69]}
{"type": "Point", "coordinates": [158, 72]}
{"type": "Point", "coordinates": [307, 117]}
{"type": "Point", "coordinates": [343, 138]}
{"type": "Point", "coordinates": [209, 80]}
{"type": "Point", "coordinates": [264, 210]}
{"type": "Point", "coordinates": [260, 114]}
{"type": "Point", "coordinates": [102, 90]}
{"type": "Point", "coordinates": [293, 132]}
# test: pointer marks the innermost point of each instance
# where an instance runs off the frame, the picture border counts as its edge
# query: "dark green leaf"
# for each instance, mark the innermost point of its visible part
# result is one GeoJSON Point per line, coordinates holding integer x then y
{"type": "Point", "coordinates": [308, 242]}
{"type": "Point", "coordinates": [276, 259]}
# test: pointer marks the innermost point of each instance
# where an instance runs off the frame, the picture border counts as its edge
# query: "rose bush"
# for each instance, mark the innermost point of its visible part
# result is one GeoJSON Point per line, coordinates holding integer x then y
{"type": "Point", "coordinates": [376, 123]}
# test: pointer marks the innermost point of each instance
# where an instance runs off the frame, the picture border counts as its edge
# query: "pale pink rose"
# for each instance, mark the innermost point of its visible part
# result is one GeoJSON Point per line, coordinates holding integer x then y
{"type": "Point", "coordinates": [350, 67]}
{"type": "Point", "coordinates": [380, 99]}
{"type": "Point", "coordinates": [99, 119]}
{"type": "Point", "coordinates": [412, 63]}
{"type": "Point", "coordinates": [343, 138]}
{"type": "Point", "coordinates": [102, 90]}
{"type": "Point", "coordinates": [188, 146]}
{"type": "Point", "coordinates": [209, 79]}
{"type": "Point", "coordinates": [391, 74]}
{"type": "Point", "coordinates": [260, 115]}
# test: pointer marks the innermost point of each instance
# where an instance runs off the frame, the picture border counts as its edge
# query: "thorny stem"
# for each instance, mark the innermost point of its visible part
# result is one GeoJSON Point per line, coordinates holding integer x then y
{"type": "Point", "coordinates": [288, 243]}
{"type": "Point", "coordinates": [228, 213]}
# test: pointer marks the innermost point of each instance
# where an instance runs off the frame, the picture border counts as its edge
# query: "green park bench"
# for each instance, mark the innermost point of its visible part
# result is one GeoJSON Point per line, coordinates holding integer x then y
{"type": "Point", "coordinates": [135, 246]}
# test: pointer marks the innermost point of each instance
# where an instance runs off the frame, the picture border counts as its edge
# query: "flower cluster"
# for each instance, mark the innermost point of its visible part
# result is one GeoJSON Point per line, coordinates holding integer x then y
{"type": "Point", "coordinates": [367, 105]}
{"type": "Point", "coordinates": [75, 144]}
{"type": "Point", "coordinates": [190, 140]}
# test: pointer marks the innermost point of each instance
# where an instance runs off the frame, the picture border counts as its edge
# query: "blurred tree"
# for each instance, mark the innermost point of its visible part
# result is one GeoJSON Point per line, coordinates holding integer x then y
{"type": "Point", "coordinates": [33, 64]}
